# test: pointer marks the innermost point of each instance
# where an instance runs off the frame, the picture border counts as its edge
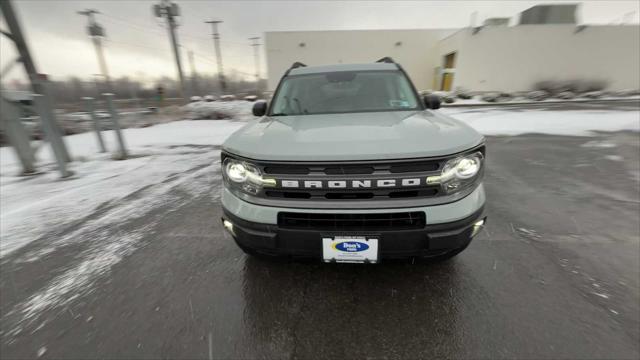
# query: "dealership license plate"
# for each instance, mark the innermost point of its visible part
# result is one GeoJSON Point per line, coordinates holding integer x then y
{"type": "Point", "coordinates": [350, 249]}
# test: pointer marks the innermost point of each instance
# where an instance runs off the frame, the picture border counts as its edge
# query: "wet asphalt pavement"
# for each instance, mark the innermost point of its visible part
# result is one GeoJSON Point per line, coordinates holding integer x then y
{"type": "Point", "coordinates": [555, 275]}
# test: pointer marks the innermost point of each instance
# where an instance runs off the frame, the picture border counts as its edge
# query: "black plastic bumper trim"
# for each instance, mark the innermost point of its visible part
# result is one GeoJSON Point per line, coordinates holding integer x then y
{"type": "Point", "coordinates": [432, 240]}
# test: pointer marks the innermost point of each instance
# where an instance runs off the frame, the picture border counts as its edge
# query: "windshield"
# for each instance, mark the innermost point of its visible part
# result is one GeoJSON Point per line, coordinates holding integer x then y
{"type": "Point", "coordinates": [343, 92]}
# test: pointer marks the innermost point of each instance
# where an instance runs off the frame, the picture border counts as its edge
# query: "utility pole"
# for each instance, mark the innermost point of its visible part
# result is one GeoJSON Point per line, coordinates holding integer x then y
{"type": "Point", "coordinates": [133, 93]}
{"type": "Point", "coordinates": [96, 82]}
{"type": "Point", "coordinates": [194, 76]}
{"type": "Point", "coordinates": [256, 57]}
{"type": "Point", "coordinates": [52, 131]}
{"type": "Point", "coordinates": [216, 43]}
{"type": "Point", "coordinates": [96, 32]}
{"type": "Point", "coordinates": [170, 11]}
{"type": "Point", "coordinates": [15, 34]}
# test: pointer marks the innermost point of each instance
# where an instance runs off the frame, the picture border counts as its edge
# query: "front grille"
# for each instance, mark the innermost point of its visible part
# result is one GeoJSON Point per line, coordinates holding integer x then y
{"type": "Point", "coordinates": [371, 170]}
{"type": "Point", "coordinates": [352, 181]}
{"type": "Point", "coordinates": [352, 222]}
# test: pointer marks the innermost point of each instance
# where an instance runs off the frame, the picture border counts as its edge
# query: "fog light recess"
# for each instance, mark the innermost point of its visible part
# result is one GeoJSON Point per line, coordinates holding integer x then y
{"type": "Point", "coordinates": [477, 227]}
{"type": "Point", "coordinates": [228, 225]}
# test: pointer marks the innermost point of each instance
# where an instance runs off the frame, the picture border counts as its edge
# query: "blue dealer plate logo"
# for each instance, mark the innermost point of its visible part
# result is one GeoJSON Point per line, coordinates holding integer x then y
{"type": "Point", "coordinates": [350, 246]}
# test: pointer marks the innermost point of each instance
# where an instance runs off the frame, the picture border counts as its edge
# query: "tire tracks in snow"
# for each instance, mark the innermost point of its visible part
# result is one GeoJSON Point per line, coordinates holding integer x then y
{"type": "Point", "coordinates": [93, 245]}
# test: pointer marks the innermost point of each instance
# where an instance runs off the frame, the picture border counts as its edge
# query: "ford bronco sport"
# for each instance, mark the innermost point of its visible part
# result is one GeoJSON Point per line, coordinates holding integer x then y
{"type": "Point", "coordinates": [348, 164]}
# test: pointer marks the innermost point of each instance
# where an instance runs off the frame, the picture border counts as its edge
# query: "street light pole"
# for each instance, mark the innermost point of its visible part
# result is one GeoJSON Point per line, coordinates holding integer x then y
{"type": "Point", "coordinates": [170, 11]}
{"type": "Point", "coordinates": [256, 57]}
{"type": "Point", "coordinates": [96, 32]}
{"type": "Point", "coordinates": [216, 44]}
{"type": "Point", "coordinates": [194, 75]}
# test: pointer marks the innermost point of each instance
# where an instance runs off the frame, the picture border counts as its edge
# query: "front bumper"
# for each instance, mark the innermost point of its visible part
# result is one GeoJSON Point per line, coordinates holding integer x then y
{"type": "Point", "coordinates": [432, 240]}
{"type": "Point", "coordinates": [448, 227]}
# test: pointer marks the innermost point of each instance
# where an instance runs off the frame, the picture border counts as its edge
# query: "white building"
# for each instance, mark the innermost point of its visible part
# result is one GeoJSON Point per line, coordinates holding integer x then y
{"type": "Point", "coordinates": [487, 58]}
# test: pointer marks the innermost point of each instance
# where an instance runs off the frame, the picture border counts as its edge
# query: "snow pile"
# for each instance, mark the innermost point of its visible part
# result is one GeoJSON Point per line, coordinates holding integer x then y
{"type": "Point", "coordinates": [238, 110]}
{"type": "Point", "coordinates": [501, 121]}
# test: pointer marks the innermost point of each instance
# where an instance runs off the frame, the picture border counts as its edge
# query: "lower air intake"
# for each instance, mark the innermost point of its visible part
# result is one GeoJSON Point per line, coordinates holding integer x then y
{"type": "Point", "coordinates": [355, 222]}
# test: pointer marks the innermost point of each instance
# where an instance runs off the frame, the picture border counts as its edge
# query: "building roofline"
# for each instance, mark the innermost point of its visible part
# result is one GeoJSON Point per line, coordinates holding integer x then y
{"type": "Point", "coordinates": [455, 30]}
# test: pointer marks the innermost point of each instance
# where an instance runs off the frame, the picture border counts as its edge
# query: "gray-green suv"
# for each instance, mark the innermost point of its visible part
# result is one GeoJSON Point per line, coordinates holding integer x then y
{"type": "Point", "coordinates": [348, 164]}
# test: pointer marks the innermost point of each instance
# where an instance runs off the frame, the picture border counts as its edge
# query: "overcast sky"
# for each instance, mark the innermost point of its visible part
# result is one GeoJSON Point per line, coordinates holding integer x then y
{"type": "Point", "coordinates": [138, 46]}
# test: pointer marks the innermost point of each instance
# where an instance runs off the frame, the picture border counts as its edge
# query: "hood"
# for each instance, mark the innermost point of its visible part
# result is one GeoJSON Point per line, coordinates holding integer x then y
{"type": "Point", "coordinates": [352, 136]}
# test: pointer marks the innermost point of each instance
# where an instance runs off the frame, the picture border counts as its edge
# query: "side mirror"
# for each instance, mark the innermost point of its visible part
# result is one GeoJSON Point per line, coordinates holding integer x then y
{"type": "Point", "coordinates": [259, 108]}
{"type": "Point", "coordinates": [432, 101]}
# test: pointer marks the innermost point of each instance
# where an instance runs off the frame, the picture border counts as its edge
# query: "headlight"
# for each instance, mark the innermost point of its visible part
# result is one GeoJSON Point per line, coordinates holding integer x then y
{"type": "Point", "coordinates": [244, 176]}
{"type": "Point", "coordinates": [458, 173]}
{"type": "Point", "coordinates": [468, 167]}
{"type": "Point", "coordinates": [236, 171]}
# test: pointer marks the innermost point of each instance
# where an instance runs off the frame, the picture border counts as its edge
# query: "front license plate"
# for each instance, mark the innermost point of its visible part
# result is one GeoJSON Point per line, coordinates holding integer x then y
{"type": "Point", "coordinates": [350, 249]}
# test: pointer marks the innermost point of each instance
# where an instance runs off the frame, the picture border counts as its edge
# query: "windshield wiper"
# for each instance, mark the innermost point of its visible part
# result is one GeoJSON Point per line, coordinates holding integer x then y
{"type": "Point", "coordinates": [279, 114]}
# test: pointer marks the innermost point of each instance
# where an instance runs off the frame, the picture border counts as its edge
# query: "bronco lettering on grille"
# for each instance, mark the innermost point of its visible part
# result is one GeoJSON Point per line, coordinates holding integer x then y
{"type": "Point", "coordinates": [351, 184]}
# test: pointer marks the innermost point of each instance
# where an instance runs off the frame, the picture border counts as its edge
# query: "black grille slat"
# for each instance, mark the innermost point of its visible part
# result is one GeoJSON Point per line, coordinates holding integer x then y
{"type": "Point", "coordinates": [414, 167]}
{"type": "Point", "coordinates": [355, 222]}
{"type": "Point", "coordinates": [428, 192]}
{"type": "Point", "coordinates": [286, 170]}
{"type": "Point", "coordinates": [288, 194]}
{"type": "Point", "coordinates": [349, 195]}
{"type": "Point", "coordinates": [353, 194]}
{"type": "Point", "coordinates": [353, 169]}
{"type": "Point", "coordinates": [349, 170]}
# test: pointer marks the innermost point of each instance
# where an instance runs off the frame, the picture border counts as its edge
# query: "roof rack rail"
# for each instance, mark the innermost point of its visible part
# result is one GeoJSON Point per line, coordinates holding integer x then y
{"type": "Point", "coordinates": [386, 59]}
{"type": "Point", "coordinates": [297, 64]}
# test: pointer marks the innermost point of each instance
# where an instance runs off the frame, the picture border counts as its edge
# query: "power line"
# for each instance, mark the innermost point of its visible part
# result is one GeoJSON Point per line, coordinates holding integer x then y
{"type": "Point", "coordinates": [201, 57]}
{"type": "Point", "coordinates": [207, 39]}
{"type": "Point", "coordinates": [141, 28]}
{"type": "Point", "coordinates": [197, 55]}
{"type": "Point", "coordinates": [145, 29]}
{"type": "Point", "coordinates": [135, 45]}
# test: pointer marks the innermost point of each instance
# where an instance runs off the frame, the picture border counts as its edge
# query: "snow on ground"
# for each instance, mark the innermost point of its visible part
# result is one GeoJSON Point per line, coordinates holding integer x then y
{"type": "Point", "coordinates": [477, 100]}
{"type": "Point", "coordinates": [510, 121]}
{"type": "Point", "coordinates": [238, 110]}
{"type": "Point", "coordinates": [170, 165]}
{"type": "Point", "coordinates": [33, 205]}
